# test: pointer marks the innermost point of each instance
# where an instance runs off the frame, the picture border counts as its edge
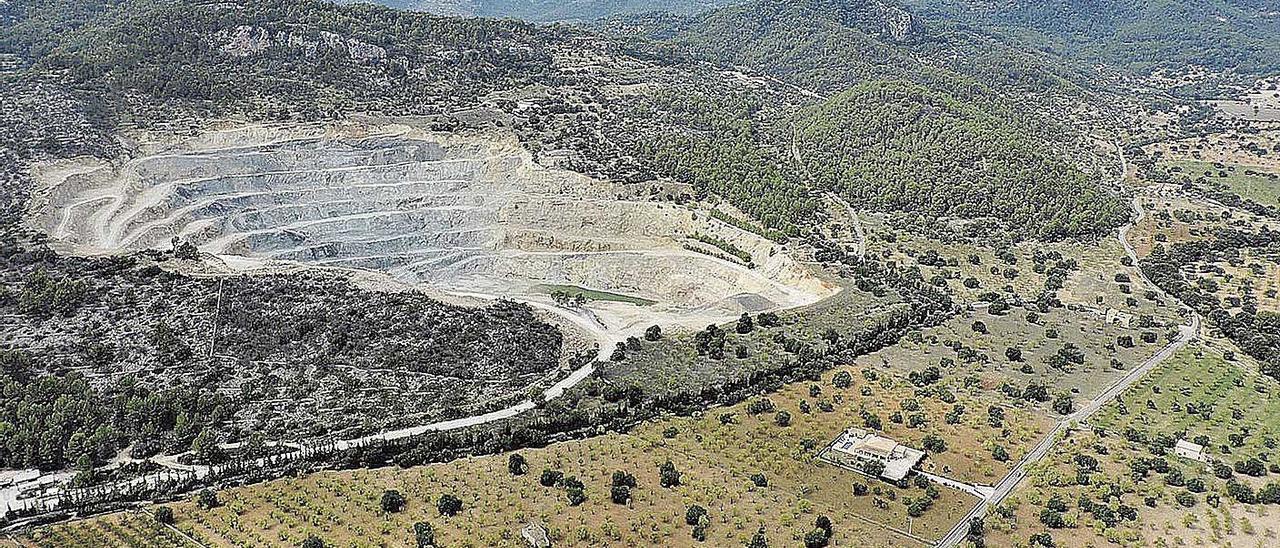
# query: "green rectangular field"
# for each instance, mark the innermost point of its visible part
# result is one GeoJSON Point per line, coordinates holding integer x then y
{"type": "Point", "coordinates": [1258, 186]}
{"type": "Point", "coordinates": [595, 295]}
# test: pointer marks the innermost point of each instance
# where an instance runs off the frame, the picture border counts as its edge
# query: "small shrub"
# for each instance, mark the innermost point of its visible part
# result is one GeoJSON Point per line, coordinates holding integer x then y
{"type": "Point", "coordinates": [164, 514]}
{"type": "Point", "coordinates": [392, 501]}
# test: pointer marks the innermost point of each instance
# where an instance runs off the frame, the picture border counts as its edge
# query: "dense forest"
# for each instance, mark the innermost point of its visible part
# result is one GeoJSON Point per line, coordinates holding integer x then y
{"type": "Point", "coordinates": [828, 45]}
{"type": "Point", "coordinates": [716, 147]}
{"type": "Point", "coordinates": [899, 146]}
{"type": "Point", "coordinates": [548, 10]}
{"type": "Point", "coordinates": [934, 119]}
{"type": "Point", "coordinates": [1144, 36]}
{"type": "Point", "coordinates": [103, 352]}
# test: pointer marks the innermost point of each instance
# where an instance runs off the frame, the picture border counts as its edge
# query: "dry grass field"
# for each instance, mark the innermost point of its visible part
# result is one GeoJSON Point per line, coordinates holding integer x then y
{"type": "Point", "coordinates": [1242, 401]}
{"type": "Point", "coordinates": [715, 458]}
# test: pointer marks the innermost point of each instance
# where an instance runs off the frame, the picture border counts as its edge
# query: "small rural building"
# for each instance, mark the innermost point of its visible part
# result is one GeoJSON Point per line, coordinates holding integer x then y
{"type": "Point", "coordinates": [1117, 317]}
{"type": "Point", "coordinates": [536, 535]}
{"type": "Point", "coordinates": [856, 446]}
{"type": "Point", "coordinates": [1188, 450]}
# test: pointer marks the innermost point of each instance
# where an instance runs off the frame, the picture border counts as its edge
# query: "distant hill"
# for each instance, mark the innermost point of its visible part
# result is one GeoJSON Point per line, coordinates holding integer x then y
{"type": "Point", "coordinates": [1141, 35]}
{"type": "Point", "coordinates": [831, 44]}
{"type": "Point", "coordinates": [549, 10]}
{"type": "Point", "coordinates": [971, 124]}
{"type": "Point", "coordinates": [916, 116]}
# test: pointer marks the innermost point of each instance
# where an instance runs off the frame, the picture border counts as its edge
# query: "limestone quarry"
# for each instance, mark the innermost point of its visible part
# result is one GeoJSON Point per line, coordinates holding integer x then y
{"type": "Point", "coordinates": [473, 215]}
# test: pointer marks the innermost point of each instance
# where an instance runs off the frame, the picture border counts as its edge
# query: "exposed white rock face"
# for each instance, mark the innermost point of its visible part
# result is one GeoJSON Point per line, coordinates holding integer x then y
{"type": "Point", "coordinates": [459, 214]}
{"type": "Point", "coordinates": [248, 41]}
{"type": "Point", "coordinates": [885, 19]}
{"type": "Point", "coordinates": [898, 25]}
{"type": "Point", "coordinates": [244, 41]}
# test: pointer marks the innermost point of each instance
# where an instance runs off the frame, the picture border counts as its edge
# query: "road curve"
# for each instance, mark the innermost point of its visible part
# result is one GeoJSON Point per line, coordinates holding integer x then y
{"type": "Point", "coordinates": [11, 497]}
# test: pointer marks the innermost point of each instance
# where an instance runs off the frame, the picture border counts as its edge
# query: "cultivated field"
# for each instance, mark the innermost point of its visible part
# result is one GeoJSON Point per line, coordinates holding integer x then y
{"type": "Point", "coordinates": [715, 456]}
{"type": "Point", "coordinates": [1197, 394]}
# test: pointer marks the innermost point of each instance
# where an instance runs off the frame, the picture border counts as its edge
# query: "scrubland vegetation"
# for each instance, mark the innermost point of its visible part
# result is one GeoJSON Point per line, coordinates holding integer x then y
{"type": "Point", "coordinates": [985, 301]}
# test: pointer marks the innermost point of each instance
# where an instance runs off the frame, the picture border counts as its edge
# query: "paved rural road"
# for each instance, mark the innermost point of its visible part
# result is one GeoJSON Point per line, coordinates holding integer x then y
{"type": "Point", "coordinates": [1186, 334]}
{"type": "Point", "coordinates": [10, 498]}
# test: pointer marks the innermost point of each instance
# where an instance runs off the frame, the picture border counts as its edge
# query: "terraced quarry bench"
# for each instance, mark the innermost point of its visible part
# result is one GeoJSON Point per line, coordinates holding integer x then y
{"type": "Point", "coordinates": [473, 214]}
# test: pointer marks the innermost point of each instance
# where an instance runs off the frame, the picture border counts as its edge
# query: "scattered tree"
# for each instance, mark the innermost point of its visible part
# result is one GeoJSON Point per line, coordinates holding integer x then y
{"type": "Point", "coordinates": [449, 505]}
{"type": "Point", "coordinates": [517, 465]}
{"type": "Point", "coordinates": [392, 501]}
{"type": "Point", "coordinates": [207, 499]}
{"type": "Point", "coordinates": [164, 514]}
{"type": "Point", "coordinates": [424, 535]}
{"type": "Point", "coordinates": [668, 476]}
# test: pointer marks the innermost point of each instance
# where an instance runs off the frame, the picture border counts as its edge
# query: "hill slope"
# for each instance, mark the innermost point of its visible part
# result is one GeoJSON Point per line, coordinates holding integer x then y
{"type": "Point", "coordinates": [937, 119]}
{"type": "Point", "coordinates": [1144, 36]}
{"type": "Point", "coordinates": [691, 122]}
{"type": "Point", "coordinates": [549, 10]}
{"type": "Point", "coordinates": [902, 147]}
{"type": "Point", "coordinates": [831, 44]}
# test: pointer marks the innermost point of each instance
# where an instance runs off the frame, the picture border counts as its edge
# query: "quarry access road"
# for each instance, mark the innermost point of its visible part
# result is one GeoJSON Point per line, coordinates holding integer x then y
{"type": "Point", "coordinates": [11, 496]}
{"type": "Point", "coordinates": [853, 213]}
{"type": "Point", "coordinates": [857, 225]}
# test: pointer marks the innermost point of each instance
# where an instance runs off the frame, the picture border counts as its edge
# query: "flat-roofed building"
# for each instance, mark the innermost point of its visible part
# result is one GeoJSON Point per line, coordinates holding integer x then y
{"type": "Point", "coordinates": [1188, 450]}
{"type": "Point", "coordinates": [856, 447]}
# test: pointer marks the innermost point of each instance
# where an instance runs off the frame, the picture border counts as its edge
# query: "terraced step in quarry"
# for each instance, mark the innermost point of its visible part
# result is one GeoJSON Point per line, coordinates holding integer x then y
{"type": "Point", "coordinates": [462, 214]}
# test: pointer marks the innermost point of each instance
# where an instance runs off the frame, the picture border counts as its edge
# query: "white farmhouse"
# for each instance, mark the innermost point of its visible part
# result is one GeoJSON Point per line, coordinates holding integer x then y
{"type": "Point", "coordinates": [856, 446]}
{"type": "Point", "coordinates": [1188, 450]}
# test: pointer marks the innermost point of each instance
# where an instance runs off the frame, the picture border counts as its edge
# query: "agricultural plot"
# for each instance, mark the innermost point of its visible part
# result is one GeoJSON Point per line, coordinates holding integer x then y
{"type": "Point", "coordinates": [1254, 275]}
{"type": "Point", "coordinates": [1255, 147]}
{"type": "Point", "coordinates": [1102, 281]}
{"type": "Point", "coordinates": [1173, 218]}
{"type": "Point", "coordinates": [136, 529]}
{"type": "Point", "coordinates": [716, 457]}
{"type": "Point", "coordinates": [344, 510]}
{"type": "Point", "coordinates": [1107, 310]}
{"type": "Point", "coordinates": [1150, 496]}
{"type": "Point", "coordinates": [956, 347]}
{"type": "Point", "coordinates": [1117, 509]}
{"type": "Point", "coordinates": [749, 439]}
{"type": "Point", "coordinates": [954, 261]}
{"type": "Point", "coordinates": [1256, 106]}
{"type": "Point", "coordinates": [1199, 392]}
{"type": "Point", "coordinates": [1259, 184]}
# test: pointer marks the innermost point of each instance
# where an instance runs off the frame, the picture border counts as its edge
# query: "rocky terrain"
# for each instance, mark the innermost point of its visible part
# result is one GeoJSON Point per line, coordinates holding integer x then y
{"type": "Point", "coordinates": [460, 214]}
